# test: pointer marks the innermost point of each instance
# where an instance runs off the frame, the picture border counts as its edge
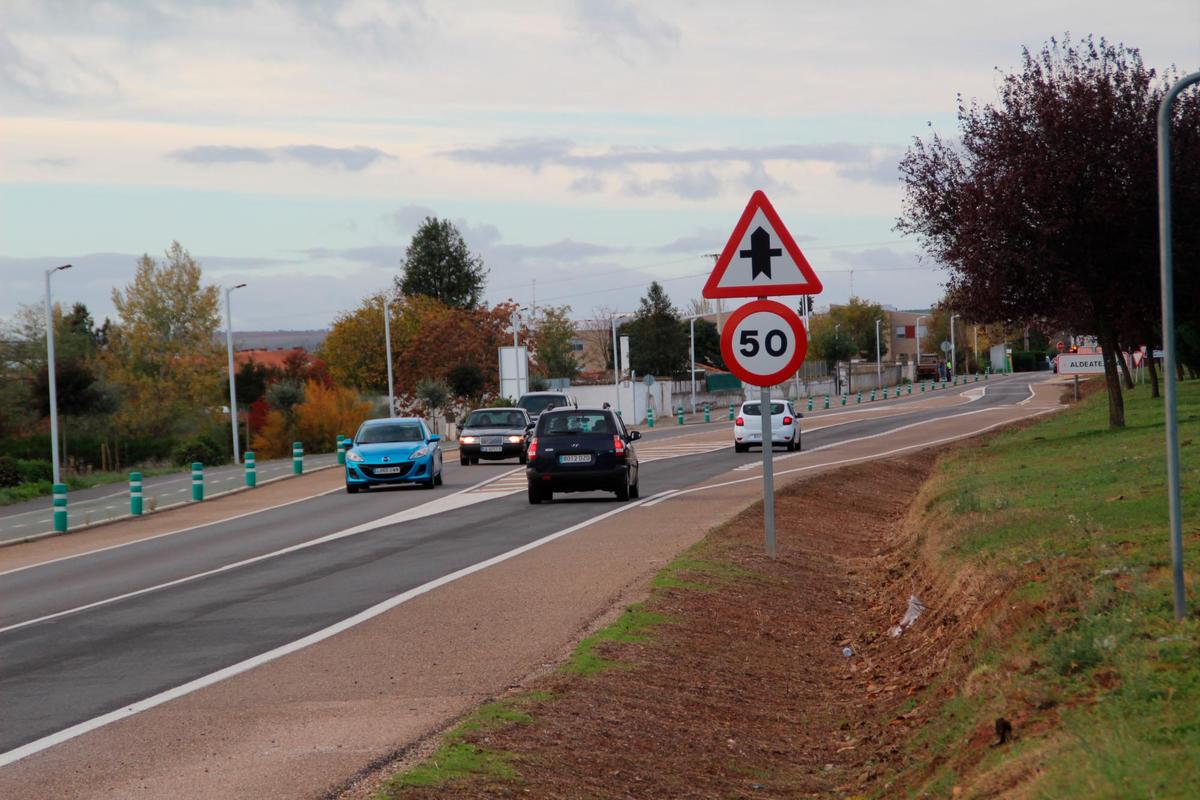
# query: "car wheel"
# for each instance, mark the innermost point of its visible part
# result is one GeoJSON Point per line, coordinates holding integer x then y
{"type": "Point", "coordinates": [437, 479]}
{"type": "Point", "coordinates": [791, 445]}
{"type": "Point", "coordinates": [635, 491]}
{"type": "Point", "coordinates": [740, 448]}
{"type": "Point", "coordinates": [464, 461]}
{"type": "Point", "coordinates": [475, 460]}
{"type": "Point", "coordinates": [538, 495]}
{"type": "Point", "coordinates": [523, 458]}
{"type": "Point", "coordinates": [623, 488]}
{"type": "Point", "coordinates": [351, 489]}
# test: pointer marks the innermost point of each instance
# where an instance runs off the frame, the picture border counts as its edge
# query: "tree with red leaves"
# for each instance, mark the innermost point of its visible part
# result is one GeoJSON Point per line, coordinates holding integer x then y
{"type": "Point", "coordinates": [1045, 210]}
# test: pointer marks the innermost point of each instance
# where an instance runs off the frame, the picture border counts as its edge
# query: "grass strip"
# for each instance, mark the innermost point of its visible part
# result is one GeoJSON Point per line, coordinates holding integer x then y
{"type": "Point", "coordinates": [1083, 654]}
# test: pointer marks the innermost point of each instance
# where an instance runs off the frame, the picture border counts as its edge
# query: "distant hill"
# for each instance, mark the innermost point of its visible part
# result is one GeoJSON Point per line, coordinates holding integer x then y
{"type": "Point", "coordinates": [274, 340]}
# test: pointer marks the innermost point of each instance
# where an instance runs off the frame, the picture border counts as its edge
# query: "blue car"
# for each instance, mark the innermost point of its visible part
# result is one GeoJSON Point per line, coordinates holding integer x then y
{"type": "Point", "coordinates": [392, 451]}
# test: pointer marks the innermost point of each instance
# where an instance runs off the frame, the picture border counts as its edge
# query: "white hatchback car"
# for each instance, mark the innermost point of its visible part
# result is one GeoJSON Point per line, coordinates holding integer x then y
{"type": "Point", "coordinates": [785, 426]}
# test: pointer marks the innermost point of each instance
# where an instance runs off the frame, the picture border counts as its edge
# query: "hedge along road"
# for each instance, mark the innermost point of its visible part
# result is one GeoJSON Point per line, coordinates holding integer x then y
{"type": "Point", "coordinates": [110, 501]}
{"type": "Point", "coordinates": [76, 667]}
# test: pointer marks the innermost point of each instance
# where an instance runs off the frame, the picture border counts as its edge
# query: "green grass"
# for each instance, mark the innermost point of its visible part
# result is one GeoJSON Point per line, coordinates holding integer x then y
{"type": "Point", "coordinates": [31, 491]}
{"type": "Point", "coordinates": [1073, 517]}
{"type": "Point", "coordinates": [631, 626]}
{"type": "Point", "coordinates": [457, 759]}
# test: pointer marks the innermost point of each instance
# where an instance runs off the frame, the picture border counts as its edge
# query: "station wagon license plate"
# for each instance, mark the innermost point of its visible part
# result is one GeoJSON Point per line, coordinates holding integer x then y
{"type": "Point", "coordinates": [388, 470]}
{"type": "Point", "coordinates": [491, 449]}
{"type": "Point", "coordinates": [575, 459]}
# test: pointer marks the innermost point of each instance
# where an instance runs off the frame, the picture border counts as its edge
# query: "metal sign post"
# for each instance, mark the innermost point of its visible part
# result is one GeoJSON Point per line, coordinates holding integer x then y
{"type": "Point", "coordinates": [1166, 268]}
{"type": "Point", "coordinates": [763, 342]}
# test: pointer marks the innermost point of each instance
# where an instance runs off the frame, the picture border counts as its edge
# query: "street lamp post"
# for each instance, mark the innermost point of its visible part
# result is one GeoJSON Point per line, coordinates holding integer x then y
{"type": "Point", "coordinates": [50, 374]}
{"type": "Point", "coordinates": [233, 421]}
{"type": "Point", "coordinates": [918, 333]}
{"type": "Point", "coordinates": [837, 369]}
{"type": "Point", "coordinates": [692, 375]}
{"type": "Point", "coordinates": [387, 339]}
{"type": "Point", "coordinates": [953, 349]}
{"type": "Point", "coordinates": [878, 358]}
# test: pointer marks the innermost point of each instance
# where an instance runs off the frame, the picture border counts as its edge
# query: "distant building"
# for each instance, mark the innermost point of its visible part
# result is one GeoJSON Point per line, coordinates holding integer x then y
{"type": "Point", "coordinates": [905, 331]}
{"type": "Point", "coordinates": [275, 359]}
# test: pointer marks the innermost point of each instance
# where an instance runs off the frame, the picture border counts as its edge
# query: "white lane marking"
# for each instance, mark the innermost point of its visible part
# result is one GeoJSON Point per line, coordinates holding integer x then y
{"type": "Point", "coordinates": [1032, 394]}
{"type": "Point", "coordinates": [81, 728]}
{"type": "Point", "coordinates": [449, 502]}
{"type": "Point", "coordinates": [673, 495]}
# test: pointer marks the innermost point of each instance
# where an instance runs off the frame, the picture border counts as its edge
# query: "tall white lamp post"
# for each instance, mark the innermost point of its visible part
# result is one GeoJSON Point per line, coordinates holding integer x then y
{"type": "Point", "coordinates": [50, 374]}
{"type": "Point", "coordinates": [233, 420]}
{"type": "Point", "coordinates": [387, 339]}
{"type": "Point", "coordinates": [878, 358]}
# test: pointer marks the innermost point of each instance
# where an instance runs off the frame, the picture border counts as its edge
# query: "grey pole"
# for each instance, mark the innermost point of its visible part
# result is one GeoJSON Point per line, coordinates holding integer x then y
{"type": "Point", "coordinates": [977, 349]}
{"type": "Point", "coordinates": [953, 350]}
{"type": "Point", "coordinates": [878, 359]}
{"type": "Point", "coordinates": [387, 340]}
{"type": "Point", "coordinates": [918, 334]}
{"type": "Point", "coordinates": [837, 364]}
{"type": "Point", "coordinates": [232, 388]}
{"type": "Point", "coordinates": [764, 415]}
{"type": "Point", "coordinates": [517, 356]}
{"type": "Point", "coordinates": [50, 374]}
{"type": "Point", "coordinates": [693, 375]}
{"type": "Point", "coordinates": [1166, 268]}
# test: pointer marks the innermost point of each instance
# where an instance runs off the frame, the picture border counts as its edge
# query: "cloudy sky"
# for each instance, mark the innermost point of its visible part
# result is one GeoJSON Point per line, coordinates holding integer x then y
{"type": "Point", "coordinates": [584, 147]}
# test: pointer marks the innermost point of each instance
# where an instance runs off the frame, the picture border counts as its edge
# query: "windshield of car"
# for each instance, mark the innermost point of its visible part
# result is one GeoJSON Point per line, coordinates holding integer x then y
{"type": "Point", "coordinates": [574, 424]}
{"type": "Point", "coordinates": [391, 432]}
{"type": "Point", "coordinates": [495, 419]}
{"type": "Point", "coordinates": [537, 403]}
{"type": "Point", "coordinates": [754, 409]}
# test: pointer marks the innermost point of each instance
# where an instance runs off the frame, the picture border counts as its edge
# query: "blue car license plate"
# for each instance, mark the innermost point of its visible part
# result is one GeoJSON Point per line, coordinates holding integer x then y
{"type": "Point", "coordinates": [575, 459]}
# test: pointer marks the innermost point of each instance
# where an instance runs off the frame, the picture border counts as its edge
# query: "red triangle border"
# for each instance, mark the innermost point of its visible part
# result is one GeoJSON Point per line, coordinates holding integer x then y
{"type": "Point", "coordinates": [759, 200]}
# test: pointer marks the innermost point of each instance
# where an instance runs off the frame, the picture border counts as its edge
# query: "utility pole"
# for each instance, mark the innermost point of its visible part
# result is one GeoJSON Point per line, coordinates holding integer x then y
{"type": "Point", "coordinates": [233, 421]}
{"type": "Point", "coordinates": [50, 375]}
{"type": "Point", "coordinates": [953, 349]}
{"type": "Point", "coordinates": [878, 359]}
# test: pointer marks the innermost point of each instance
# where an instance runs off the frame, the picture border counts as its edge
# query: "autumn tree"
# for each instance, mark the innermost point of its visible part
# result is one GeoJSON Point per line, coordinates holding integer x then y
{"type": "Point", "coordinates": [657, 343]}
{"type": "Point", "coordinates": [553, 335]}
{"type": "Point", "coordinates": [1044, 207]}
{"type": "Point", "coordinates": [826, 341]}
{"type": "Point", "coordinates": [438, 264]}
{"type": "Point", "coordinates": [854, 325]}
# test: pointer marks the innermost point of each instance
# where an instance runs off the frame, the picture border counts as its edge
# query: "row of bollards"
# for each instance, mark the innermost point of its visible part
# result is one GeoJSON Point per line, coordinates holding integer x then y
{"type": "Point", "coordinates": [136, 494]}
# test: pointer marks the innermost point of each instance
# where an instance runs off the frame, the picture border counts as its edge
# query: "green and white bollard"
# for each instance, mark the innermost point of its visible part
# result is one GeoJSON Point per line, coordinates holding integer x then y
{"type": "Point", "coordinates": [810, 402]}
{"type": "Point", "coordinates": [251, 470]}
{"type": "Point", "coordinates": [649, 417]}
{"type": "Point", "coordinates": [826, 401]}
{"type": "Point", "coordinates": [60, 507]}
{"type": "Point", "coordinates": [858, 398]}
{"type": "Point", "coordinates": [885, 393]}
{"type": "Point", "coordinates": [197, 481]}
{"type": "Point", "coordinates": [135, 493]}
{"type": "Point", "coordinates": [731, 410]}
{"type": "Point", "coordinates": [910, 388]}
{"type": "Point", "coordinates": [706, 415]}
{"type": "Point", "coordinates": [297, 458]}
{"type": "Point", "coordinates": [679, 415]}
{"type": "Point", "coordinates": [872, 395]}
{"type": "Point", "coordinates": [341, 452]}
{"type": "Point", "coordinates": [922, 386]}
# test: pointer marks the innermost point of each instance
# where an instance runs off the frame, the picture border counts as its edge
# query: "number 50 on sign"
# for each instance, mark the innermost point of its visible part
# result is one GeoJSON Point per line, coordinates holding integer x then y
{"type": "Point", "coordinates": [764, 342]}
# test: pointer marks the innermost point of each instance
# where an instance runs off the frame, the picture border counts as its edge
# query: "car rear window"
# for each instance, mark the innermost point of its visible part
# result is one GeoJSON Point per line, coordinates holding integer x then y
{"type": "Point", "coordinates": [393, 432]}
{"type": "Point", "coordinates": [540, 402]}
{"type": "Point", "coordinates": [753, 409]}
{"type": "Point", "coordinates": [574, 424]}
{"type": "Point", "coordinates": [495, 419]}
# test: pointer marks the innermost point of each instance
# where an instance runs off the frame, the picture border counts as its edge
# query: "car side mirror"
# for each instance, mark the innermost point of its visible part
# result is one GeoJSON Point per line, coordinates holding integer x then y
{"type": "Point", "coordinates": [635, 435]}
{"type": "Point", "coordinates": [433, 437]}
{"type": "Point", "coordinates": [529, 427]}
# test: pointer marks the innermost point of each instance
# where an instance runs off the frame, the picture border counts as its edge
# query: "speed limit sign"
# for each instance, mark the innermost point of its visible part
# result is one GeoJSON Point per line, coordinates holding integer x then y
{"type": "Point", "coordinates": [764, 343]}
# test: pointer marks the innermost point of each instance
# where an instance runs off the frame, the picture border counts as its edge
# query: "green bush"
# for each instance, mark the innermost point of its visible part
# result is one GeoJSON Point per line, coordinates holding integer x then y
{"type": "Point", "coordinates": [10, 472]}
{"type": "Point", "coordinates": [35, 469]}
{"type": "Point", "coordinates": [198, 448]}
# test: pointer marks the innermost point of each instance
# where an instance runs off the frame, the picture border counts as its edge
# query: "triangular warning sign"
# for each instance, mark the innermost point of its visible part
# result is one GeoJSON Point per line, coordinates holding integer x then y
{"type": "Point", "coordinates": [761, 258]}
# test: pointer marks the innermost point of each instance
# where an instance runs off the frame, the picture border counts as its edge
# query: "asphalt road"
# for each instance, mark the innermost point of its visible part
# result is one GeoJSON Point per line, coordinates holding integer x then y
{"type": "Point", "coordinates": [100, 503]}
{"type": "Point", "coordinates": [86, 662]}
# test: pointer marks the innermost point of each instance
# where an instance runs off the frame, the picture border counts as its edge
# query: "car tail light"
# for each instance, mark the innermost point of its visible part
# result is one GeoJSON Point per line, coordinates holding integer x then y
{"type": "Point", "coordinates": [532, 448]}
{"type": "Point", "coordinates": [787, 420]}
{"type": "Point", "coordinates": [739, 422]}
{"type": "Point", "coordinates": [618, 445]}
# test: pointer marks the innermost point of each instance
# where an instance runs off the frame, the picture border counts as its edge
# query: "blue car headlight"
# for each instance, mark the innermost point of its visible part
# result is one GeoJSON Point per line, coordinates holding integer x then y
{"type": "Point", "coordinates": [353, 455]}
{"type": "Point", "coordinates": [420, 452]}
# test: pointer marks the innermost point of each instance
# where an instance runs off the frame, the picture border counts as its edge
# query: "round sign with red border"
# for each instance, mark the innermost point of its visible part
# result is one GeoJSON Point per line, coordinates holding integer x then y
{"type": "Point", "coordinates": [1061, 346]}
{"type": "Point", "coordinates": [764, 342]}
